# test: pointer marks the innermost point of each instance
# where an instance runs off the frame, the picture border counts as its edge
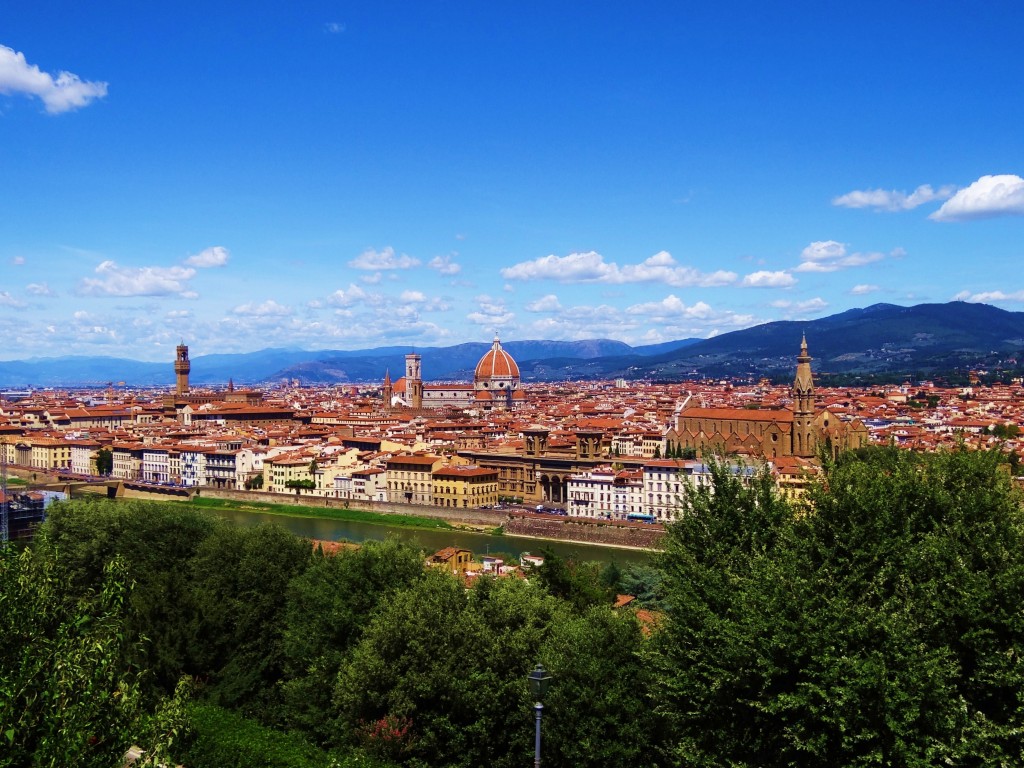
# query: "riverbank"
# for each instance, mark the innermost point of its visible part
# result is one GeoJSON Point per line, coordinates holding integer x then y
{"type": "Point", "coordinates": [327, 513]}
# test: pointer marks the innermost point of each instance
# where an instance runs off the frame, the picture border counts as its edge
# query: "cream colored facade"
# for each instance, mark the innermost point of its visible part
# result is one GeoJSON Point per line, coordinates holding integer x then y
{"type": "Point", "coordinates": [465, 487]}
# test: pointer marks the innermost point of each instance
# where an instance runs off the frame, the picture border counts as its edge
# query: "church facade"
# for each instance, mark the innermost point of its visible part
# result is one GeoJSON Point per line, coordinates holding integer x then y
{"type": "Point", "coordinates": [799, 431]}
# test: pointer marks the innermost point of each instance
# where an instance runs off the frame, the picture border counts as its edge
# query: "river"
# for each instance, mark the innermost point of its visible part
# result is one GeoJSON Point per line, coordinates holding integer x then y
{"type": "Point", "coordinates": [432, 540]}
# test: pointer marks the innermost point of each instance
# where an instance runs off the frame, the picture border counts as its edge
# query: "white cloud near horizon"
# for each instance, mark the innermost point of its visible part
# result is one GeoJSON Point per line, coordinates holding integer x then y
{"type": "Point", "coordinates": [268, 308]}
{"type": "Point", "coordinates": [548, 303]}
{"type": "Point", "coordinates": [863, 289]}
{"type": "Point", "coordinates": [796, 308]}
{"type": "Point", "coordinates": [830, 256]}
{"type": "Point", "coordinates": [989, 196]}
{"type": "Point", "coordinates": [64, 93]}
{"type": "Point", "coordinates": [989, 296]}
{"type": "Point", "coordinates": [893, 200]}
{"type": "Point", "coordinates": [215, 256]}
{"type": "Point", "coordinates": [491, 313]}
{"type": "Point", "coordinates": [765, 279]}
{"type": "Point", "coordinates": [138, 281]}
{"type": "Point", "coordinates": [590, 267]}
{"type": "Point", "coordinates": [386, 258]}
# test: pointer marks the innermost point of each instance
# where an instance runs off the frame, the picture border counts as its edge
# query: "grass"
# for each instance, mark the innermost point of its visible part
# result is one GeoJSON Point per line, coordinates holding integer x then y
{"type": "Point", "coordinates": [327, 513]}
{"type": "Point", "coordinates": [16, 481]}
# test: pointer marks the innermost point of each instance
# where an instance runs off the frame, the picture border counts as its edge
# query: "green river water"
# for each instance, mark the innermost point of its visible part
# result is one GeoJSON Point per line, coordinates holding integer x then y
{"type": "Point", "coordinates": [433, 540]}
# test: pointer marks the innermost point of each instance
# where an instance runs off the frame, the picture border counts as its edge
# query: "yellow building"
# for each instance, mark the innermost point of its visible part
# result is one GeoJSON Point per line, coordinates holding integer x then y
{"type": "Point", "coordinates": [49, 453]}
{"type": "Point", "coordinates": [410, 478]}
{"type": "Point", "coordinates": [465, 487]}
{"type": "Point", "coordinates": [281, 472]}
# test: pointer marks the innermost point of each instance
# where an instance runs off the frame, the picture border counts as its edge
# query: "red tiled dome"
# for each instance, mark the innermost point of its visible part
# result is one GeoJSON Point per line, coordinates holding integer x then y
{"type": "Point", "coordinates": [496, 364]}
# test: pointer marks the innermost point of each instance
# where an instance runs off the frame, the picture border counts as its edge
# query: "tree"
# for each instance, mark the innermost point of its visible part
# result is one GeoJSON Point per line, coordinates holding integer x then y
{"type": "Point", "coordinates": [156, 543]}
{"type": "Point", "coordinates": [104, 462]}
{"type": "Point", "coordinates": [69, 693]}
{"type": "Point", "coordinates": [439, 676]}
{"type": "Point", "coordinates": [577, 583]}
{"type": "Point", "coordinates": [240, 578]}
{"type": "Point", "coordinates": [879, 629]}
{"type": "Point", "coordinates": [328, 606]}
{"type": "Point", "coordinates": [597, 711]}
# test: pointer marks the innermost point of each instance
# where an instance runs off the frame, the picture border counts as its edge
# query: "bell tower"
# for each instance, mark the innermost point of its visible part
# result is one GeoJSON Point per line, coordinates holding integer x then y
{"type": "Point", "coordinates": [413, 381]}
{"type": "Point", "coordinates": [181, 369]}
{"type": "Point", "coordinates": [804, 443]}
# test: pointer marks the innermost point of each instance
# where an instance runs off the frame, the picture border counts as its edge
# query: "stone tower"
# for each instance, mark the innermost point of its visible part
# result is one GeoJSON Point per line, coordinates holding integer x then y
{"type": "Point", "coordinates": [804, 443]}
{"type": "Point", "coordinates": [387, 391]}
{"type": "Point", "coordinates": [181, 369]}
{"type": "Point", "coordinates": [413, 381]}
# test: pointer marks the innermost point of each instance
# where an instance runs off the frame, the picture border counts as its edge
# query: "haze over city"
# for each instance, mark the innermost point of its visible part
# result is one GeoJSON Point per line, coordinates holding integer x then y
{"type": "Point", "coordinates": [336, 176]}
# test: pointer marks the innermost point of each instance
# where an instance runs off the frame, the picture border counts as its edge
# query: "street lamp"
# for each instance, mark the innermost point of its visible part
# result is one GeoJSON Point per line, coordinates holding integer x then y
{"type": "Point", "coordinates": [539, 680]}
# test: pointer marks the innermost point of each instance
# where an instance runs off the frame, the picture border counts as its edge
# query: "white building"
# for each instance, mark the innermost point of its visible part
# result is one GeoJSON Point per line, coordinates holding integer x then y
{"type": "Point", "coordinates": [605, 493]}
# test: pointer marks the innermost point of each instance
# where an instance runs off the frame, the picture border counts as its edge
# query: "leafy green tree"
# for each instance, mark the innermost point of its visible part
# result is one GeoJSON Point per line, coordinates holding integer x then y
{"type": "Point", "coordinates": [439, 677]}
{"type": "Point", "coordinates": [156, 542]}
{"type": "Point", "coordinates": [577, 583]}
{"type": "Point", "coordinates": [647, 584]}
{"type": "Point", "coordinates": [240, 578]}
{"type": "Point", "coordinates": [69, 693]}
{"type": "Point", "coordinates": [881, 628]}
{"type": "Point", "coordinates": [328, 605]}
{"type": "Point", "coordinates": [597, 711]}
{"type": "Point", "coordinates": [104, 461]}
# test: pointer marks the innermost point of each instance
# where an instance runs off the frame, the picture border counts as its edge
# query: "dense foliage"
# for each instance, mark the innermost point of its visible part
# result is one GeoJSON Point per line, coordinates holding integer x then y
{"type": "Point", "coordinates": [876, 624]}
{"type": "Point", "coordinates": [880, 627]}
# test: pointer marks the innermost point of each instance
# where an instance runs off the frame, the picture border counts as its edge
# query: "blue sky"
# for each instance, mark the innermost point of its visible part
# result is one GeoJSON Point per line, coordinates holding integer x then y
{"type": "Point", "coordinates": [343, 176]}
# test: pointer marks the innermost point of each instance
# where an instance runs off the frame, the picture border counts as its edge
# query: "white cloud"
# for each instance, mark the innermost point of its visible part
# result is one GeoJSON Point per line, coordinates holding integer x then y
{"type": "Point", "coordinates": [384, 259]}
{"type": "Point", "coordinates": [216, 256]}
{"type": "Point", "coordinates": [413, 296]}
{"type": "Point", "coordinates": [346, 298]}
{"type": "Point", "coordinates": [892, 200]}
{"type": "Point", "coordinates": [18, 261]}
{"type": "Point", "coordinates": [989, 296]}
{"type": "Point", "coordinates": [491, 313]}
{"type": "Point", "coordinates": [268, 308]}
{"type": "Point", "coordinates": [830, 256]}
{"type": "Point", "coordinates": [39, 289]}
{"type": "Point", "coordinates": [334, 27]}
{"type": "Point", "coordinates": [547, 303]}
{"type": "Point", "coordinates": [794, 308]}
{"type": "Point", "coordinates": [590, 267]}
{"type": "Point", "coordinates": [142, 281]}
{"type": "Point", "coordinates": [863, 290]}
{"type": "Point", "coordinates": [445, 265]}
{"type": "Point", "coordinates": [6, 300]}
{"type": "Point", "coordinates": [989, 196]}
{"type": "Point", "coordinates": [61, 94]}
{"type": "Point", "coordinates": [766, 279]}
{"type": "Point", "coordinates": [700, 316]}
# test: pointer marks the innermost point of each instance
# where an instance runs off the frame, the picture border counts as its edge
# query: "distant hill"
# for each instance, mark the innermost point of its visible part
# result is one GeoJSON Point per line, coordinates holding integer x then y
{"type": "Point", "coordinates": [880, 339]}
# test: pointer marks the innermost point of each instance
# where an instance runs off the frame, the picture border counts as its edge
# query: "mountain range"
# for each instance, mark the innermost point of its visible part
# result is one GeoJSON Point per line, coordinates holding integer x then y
{"type": "Point", "coordinates": [879, 340]}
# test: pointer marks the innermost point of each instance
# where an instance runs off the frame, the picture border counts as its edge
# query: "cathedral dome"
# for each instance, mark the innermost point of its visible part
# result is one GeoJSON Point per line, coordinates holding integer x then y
{"type": "Point", "coordinates": [496, 369]}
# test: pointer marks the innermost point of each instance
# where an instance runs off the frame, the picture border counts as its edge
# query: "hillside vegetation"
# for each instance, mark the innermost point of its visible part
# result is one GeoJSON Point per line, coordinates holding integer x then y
{"type": "Point", "coordinates": [881, 628]}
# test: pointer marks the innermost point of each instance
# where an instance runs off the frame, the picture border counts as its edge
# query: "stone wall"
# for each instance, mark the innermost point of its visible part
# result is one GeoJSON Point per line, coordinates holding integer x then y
{"type": "Point", "coordinates": [619, 534]}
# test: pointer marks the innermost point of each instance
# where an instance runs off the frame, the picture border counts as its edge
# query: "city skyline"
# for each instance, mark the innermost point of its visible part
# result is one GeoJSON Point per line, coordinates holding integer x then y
{"type": "Point", "coordinates": [344, 178]}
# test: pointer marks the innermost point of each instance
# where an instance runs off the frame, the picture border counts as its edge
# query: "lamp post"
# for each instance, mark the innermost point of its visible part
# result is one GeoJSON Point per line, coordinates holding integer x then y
{"type": "Point", "coordinates": [539, 680]}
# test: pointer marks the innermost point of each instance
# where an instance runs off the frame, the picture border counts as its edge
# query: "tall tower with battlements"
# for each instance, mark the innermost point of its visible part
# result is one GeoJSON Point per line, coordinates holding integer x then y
{"type": "Point", "coordinates": [181, 369]}
{"type": "Point", "coordinates": [413, 381]}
